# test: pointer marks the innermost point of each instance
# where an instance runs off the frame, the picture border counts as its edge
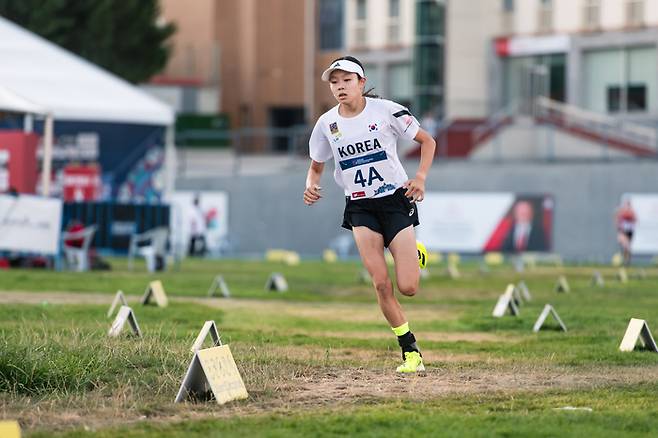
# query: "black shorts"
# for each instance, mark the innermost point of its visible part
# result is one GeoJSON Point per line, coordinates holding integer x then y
{"type": "Point", "coordinates": [387, 215]}
{"type": "Point", "coordinates": [628, 234]}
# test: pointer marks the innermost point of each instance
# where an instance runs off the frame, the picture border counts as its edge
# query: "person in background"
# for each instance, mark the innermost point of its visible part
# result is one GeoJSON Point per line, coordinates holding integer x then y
{"type": "Point", "coordinates": [625, 219]}
{"type": "Point", "coordinates": [197, 229]}
{"type": "Point", "coordinates": [429, 123]}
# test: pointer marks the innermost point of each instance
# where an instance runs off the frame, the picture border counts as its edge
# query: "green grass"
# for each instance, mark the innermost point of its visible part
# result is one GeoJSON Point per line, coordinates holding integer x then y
{"type": "Point", "coordinates": [624, 411]}
{"type": "Point", "coordinates": [56, 359]}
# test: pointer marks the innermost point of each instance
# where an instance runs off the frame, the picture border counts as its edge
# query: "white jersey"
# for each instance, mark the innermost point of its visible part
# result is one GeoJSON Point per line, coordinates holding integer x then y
{"type": "Point", "coordinates": [364, 147]}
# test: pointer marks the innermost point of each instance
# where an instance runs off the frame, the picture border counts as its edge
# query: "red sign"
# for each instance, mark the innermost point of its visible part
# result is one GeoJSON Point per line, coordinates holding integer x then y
{"type": "Point", "coordinates": [18, 161]}
{"type": "Point", "coordinates": [82, 183]}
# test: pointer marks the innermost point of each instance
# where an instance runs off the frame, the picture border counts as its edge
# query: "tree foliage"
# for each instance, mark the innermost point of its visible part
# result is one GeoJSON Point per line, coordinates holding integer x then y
{"type": "Point", "coordinates": [122, 36]}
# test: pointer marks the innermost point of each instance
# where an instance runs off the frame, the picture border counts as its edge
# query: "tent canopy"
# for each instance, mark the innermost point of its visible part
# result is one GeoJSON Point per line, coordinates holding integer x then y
{"type": "Point", "coordinates": [37, 74]}
{"type": "Point", "coordinates": [10, 101]}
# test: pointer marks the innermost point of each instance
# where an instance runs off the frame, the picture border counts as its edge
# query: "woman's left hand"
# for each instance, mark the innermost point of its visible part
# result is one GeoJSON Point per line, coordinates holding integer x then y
{"type": "Point", "coordinates": [415, 189]}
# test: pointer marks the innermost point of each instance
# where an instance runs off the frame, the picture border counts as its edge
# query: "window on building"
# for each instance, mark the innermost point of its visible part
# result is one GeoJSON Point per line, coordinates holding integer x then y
{"type": "Point", "coordinates": [360, 30]}
{"type": "Point", "coordinates": [635, 12]}
{"type": "Point", "coordinates": [621, 80]}
{"type": "Point", "coordinates": [361, 6]}
{"type": "Point", "coordinates": [545, 18]}
{"type": "Point", "coordinates": [393, 28]}
{"type": "Point", "coordinates": [400, 86]}
{"type": "Point", "coordinates": [508, 5]}
{"type": "Point", "coordinates": [393, 8]}
{"type": "Point", "coordinates": [372, 77]}
{"type": "Point", "coordinates": [331, 24]}
{"type": "Point", "coordinates": [592, 15]}
{"type": "Point", "coordinates": [428, 56]}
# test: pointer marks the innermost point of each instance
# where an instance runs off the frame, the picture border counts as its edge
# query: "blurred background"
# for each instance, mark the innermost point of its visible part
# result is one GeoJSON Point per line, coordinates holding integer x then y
{"type": "Point", "coordinates": [168, 129]}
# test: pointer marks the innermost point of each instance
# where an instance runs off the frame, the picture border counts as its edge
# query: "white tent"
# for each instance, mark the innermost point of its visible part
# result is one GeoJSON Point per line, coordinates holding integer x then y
{"type": "Point", "coordinates": [39, 77]}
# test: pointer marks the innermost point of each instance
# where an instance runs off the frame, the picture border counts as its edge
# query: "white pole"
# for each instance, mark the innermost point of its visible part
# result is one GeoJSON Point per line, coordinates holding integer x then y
{"type": "Point", "coordinates": [47, 154]}
{"type": "Point", "coordinates": [28, 123]}
{"type": "Point", "coordinates": [170, 162]}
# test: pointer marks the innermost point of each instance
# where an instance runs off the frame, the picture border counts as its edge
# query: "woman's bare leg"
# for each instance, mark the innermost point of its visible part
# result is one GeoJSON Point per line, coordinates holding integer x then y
{"type": "Point", "coordinates": [371, 249]}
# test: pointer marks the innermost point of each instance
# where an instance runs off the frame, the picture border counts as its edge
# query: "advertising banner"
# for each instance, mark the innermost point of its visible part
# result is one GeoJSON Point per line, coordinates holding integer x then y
{"type": "Point", "coordinates": [480, 222]}
{"type": "Point", "coordinates": [30, 224]}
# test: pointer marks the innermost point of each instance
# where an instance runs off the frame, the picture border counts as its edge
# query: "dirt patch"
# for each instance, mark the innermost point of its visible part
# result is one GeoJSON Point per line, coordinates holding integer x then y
{"type": "Point", "coordinates": [341, 386]}
{"type": "Point", "coordinates": [334, 388]}
{"type": "Point", "coordinates": [339, 312]}
{"type": "Point", "coordinates": [365, 358]}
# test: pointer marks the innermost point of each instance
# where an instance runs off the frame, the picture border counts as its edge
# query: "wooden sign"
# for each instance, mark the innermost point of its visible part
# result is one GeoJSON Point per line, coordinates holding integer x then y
{"type": "Point", "coordinates": [364, 277]}
{"type": "Point", "coordinates": [516, 296]}
{"type": "Point", "coordinates": [10, 429]}
{"type": "Point", "coordinates": [453, 271]}
{"type": "Point", "coordinates": [125, 314]}
{"type": "Point", "coordinates": [638, 329]}
{"type": "Point", "coordinates": [562, 285]}
{"type": "Point", "coordinates": [494, 258]}
{"type": "Point", "coordinates": [525, 292]}
{"type": "Point", "coordinates": [208, 328]}
{"type": "Point", "coordinates": [118, 298]}
{"type": "Point", "coordinates": [276, 282]}
{"type": "Point", "coordinates": [329, 256]}
{"type": "Point", "coordinates": [597, 279]}
{"type": "Point", "coordinates": [640, 274]}
{"type": "Point", "coordinates": [519, 264]}
{"type": "Point", "coordinates": [219, 284]}
{"type": "Point", "coordinates": [506, 302]}
{"type": "Point", "coordinates": [156, 291]}
{"type": "Point", "coordinates": [548, 309]}
{"type": "Point", "coordinates": [212, 374]}
{"type": "Point", "coordinates": [282, 255]}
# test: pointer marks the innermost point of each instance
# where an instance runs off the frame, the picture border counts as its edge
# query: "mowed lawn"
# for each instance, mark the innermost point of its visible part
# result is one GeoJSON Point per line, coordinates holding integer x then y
{"type": "Point", "coordinates": [319, 360]}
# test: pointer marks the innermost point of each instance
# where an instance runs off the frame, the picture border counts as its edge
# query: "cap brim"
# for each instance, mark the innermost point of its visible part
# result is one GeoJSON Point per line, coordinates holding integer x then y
{"type": "Point", "coordinates": [327, 72]}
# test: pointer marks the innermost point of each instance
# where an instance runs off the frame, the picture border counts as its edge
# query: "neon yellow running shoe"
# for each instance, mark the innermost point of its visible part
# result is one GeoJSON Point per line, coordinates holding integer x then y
{"type": "Point", "coordinates": [413, 362]}
{"type": "Point", "coordinates": [422, 254]}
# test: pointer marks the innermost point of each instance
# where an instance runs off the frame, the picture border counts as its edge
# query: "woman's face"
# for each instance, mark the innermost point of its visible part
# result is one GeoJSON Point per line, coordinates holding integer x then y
{"type": "Point", "coordinates": [345, 86]}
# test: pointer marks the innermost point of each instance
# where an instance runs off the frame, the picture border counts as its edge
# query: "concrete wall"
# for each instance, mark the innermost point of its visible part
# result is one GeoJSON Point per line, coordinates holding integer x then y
{"type": "Point", "coordinates": [470, 29]}
{"type": "Point", "coordinates": [267, 211]}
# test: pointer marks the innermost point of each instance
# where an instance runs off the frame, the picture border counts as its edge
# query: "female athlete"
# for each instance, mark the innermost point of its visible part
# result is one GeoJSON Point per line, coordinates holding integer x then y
{"type": "Point", "coordinates": [360, 134]}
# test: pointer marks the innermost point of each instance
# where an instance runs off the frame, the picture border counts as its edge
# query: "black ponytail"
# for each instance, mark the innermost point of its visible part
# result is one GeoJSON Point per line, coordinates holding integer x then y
{"type": "Point", "coordinates": [368, 93]}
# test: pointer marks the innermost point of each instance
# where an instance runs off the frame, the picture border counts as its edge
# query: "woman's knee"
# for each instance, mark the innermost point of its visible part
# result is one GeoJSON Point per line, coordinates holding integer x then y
{"type": "Point", "coordinates": [383, 285]}
{"type": "Point", "coordinates": [408, 287]}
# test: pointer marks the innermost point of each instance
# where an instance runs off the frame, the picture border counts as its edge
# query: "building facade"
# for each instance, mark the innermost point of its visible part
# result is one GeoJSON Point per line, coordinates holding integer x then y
{"type": "Point", "coordinates": [598, 55]}
{"type": "Point", "coordinates": [263, 59]}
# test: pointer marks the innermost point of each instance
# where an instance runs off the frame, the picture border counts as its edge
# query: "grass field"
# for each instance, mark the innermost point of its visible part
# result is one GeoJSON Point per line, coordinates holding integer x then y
{"type": "Point", "coordinates": [320, 359]}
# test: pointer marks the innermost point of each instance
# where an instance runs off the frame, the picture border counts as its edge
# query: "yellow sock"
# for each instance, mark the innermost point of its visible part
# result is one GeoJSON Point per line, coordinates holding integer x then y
{"type": "Point", "coordinates": [402, 330]}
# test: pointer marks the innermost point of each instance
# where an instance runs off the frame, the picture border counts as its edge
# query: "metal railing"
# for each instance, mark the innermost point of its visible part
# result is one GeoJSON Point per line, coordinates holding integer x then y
{"type": "Point", "coordinates": [602, 125]}
{"type": "Point", "coordinates": [495, 121]}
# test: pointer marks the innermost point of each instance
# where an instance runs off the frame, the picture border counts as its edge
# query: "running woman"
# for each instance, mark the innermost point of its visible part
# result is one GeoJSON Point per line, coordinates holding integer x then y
{"type": "Point", "coordinates": [360, 134]}
{"type": "Point", "coordinates": [625, 218]}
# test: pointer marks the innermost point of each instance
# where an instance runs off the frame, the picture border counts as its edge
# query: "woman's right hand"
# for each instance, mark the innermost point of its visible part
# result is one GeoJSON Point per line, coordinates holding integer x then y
{"type": "Point", "coordinates": [312, 194]}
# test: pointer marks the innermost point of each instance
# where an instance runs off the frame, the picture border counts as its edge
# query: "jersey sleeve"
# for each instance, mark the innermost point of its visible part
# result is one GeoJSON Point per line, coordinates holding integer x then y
{"type": "Point", "coordinates": [318, 145]}
{"type": "Point", "coordinates": [404, 124]}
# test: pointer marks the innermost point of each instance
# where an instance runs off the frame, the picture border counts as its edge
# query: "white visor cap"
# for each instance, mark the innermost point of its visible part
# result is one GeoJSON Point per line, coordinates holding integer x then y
{"type": "Point", "coordinates": [345, 65]}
